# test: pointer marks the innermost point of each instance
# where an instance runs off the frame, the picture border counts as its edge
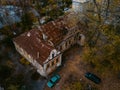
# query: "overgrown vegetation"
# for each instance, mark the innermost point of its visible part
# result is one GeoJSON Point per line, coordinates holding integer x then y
{"type": "Point", "coordinates": [32, 12]}
{"type": "Point", "coordinates": [103, 43]}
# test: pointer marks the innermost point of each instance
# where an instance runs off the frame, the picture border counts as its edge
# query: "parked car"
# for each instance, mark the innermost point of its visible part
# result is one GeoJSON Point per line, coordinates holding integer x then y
{"type": "Point", "coordinates": [53, 80]}
{"type": "Point", "coordinates": [92, 77]}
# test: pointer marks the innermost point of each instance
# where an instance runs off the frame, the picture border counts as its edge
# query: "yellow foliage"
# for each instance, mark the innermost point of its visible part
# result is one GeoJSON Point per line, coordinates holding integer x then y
{"type": "Point", "coordinates": [24, 61]}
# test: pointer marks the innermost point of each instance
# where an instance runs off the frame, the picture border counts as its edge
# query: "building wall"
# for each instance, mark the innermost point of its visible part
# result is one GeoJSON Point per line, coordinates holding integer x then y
{"type": "Point", "coordinates": [81, 1]}
{"type": "Point", "coordinates": [49, 66]}
{"type": "Point", "coordinates": [76, 6]}
{"type": "Point", "coordinates": [79, 5]}
{"type": "Point", "coordinates": [55, 58]}
{"type": "Point", "coordinates": [52, 64]}
{"type": "Point", "coordinates": [30, 59]}
{"type": "Point", "coordinates": [74, 36]}
{"type": "Point", "coordinates": [66, 44]}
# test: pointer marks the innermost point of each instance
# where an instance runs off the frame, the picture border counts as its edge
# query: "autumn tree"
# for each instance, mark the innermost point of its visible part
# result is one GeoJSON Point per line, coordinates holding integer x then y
{"type": "Point", "coordinates": [103, 37]}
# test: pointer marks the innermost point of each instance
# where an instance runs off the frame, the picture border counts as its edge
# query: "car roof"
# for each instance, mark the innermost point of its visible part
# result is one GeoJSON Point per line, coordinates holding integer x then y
{"type": "Point", "coordinates": [54, 78]}
{"type": "Point", "coordinates": [58, 76]}
{"type": "Point", "coordinates": [49, 84]}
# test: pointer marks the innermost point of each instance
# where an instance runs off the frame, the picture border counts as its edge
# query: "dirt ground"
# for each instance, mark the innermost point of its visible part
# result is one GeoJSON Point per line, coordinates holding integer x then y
{"type": "Point", "coordinates": [75, 66]}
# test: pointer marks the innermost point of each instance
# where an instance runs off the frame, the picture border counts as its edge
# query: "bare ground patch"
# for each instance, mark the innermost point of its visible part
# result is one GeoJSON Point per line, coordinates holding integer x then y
{"type": "Point", "coordinates": [73, 70]}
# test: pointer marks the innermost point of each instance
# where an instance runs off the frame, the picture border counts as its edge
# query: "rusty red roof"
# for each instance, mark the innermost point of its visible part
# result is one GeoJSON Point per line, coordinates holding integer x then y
{"type": "Point", "coordinates": [34, 44]}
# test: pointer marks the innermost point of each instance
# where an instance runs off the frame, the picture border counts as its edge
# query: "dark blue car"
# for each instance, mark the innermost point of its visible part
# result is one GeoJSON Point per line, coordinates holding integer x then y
{"type": "Point", "coordinates": [93, 77]}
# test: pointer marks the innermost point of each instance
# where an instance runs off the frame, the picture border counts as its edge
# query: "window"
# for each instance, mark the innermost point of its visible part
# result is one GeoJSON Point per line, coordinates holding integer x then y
{"type": "Point", "coordinates": [77, 34]}
{"type": "Point", "coordinates": [52, 63]}
{"type": "Point", "coordinates": [75, 37]}
{"type": "Point", "coordinates": [52, 55]}
{"type": "Point", "coordinates": [66, 44]}
{"type": "Point", "coordinates": [47, 66]}
{"type": "Point", "coordinates": [63, 47]}
{"type": "Point", "coordinates": [69, 41]}
{"type": "Point", "coordinates": [57, 60]}
{"type": "Point", "coordinates": [33, 1]}
{"type": "Point", "coordinates": [79, 37]}
{"type": "Point", "coordinates": [60, 47]}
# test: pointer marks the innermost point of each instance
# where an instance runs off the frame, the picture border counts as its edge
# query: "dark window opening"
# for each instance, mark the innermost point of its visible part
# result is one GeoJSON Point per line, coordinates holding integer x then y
{"type": "Point", "coordinates": [57, 60]}
{"type": "Point", "coordinates": [77, 34]}
{"type": "Point", "coordinates": [33, 1]}
{"type": "Point", "coordinates": [66, 44]}
{"type": "Point", "coordinates": [47, 66]}
{"type": "Point", "coordinates": [79, 37]}
{"type": "Point", "coordinates": [53, 55]}
{"type": "Point", "coordinates": [69, 42]}
{"type": "Point", "coordinates": [52, 63]}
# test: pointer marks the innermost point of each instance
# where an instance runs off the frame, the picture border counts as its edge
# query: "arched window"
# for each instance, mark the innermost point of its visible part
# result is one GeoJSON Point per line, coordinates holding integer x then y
{"type": "Point", "coordinates": [52, 55]}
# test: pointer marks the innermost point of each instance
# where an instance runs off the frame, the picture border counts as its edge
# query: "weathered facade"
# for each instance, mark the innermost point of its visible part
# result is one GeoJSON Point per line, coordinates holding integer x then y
{"type": "Point", "coordinates": [44, 46]}
{"type": "Point", "coordinates": [80, 5]}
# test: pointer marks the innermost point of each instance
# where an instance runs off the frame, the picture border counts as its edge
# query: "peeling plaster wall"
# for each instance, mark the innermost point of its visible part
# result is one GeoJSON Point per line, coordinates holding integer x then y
{"type": "Point", "coordinates": [74, 37]}
{"type": "Point", "coordinates": [55, 58]}
{"type": "Point", "coordinates": [52, 64]}
{"type": "Point", "coordinates": [79, 5]}
{"type": "Point", "coordinates": [31, 60]}
{"type": "Point", "coordinates": [53, 61]}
